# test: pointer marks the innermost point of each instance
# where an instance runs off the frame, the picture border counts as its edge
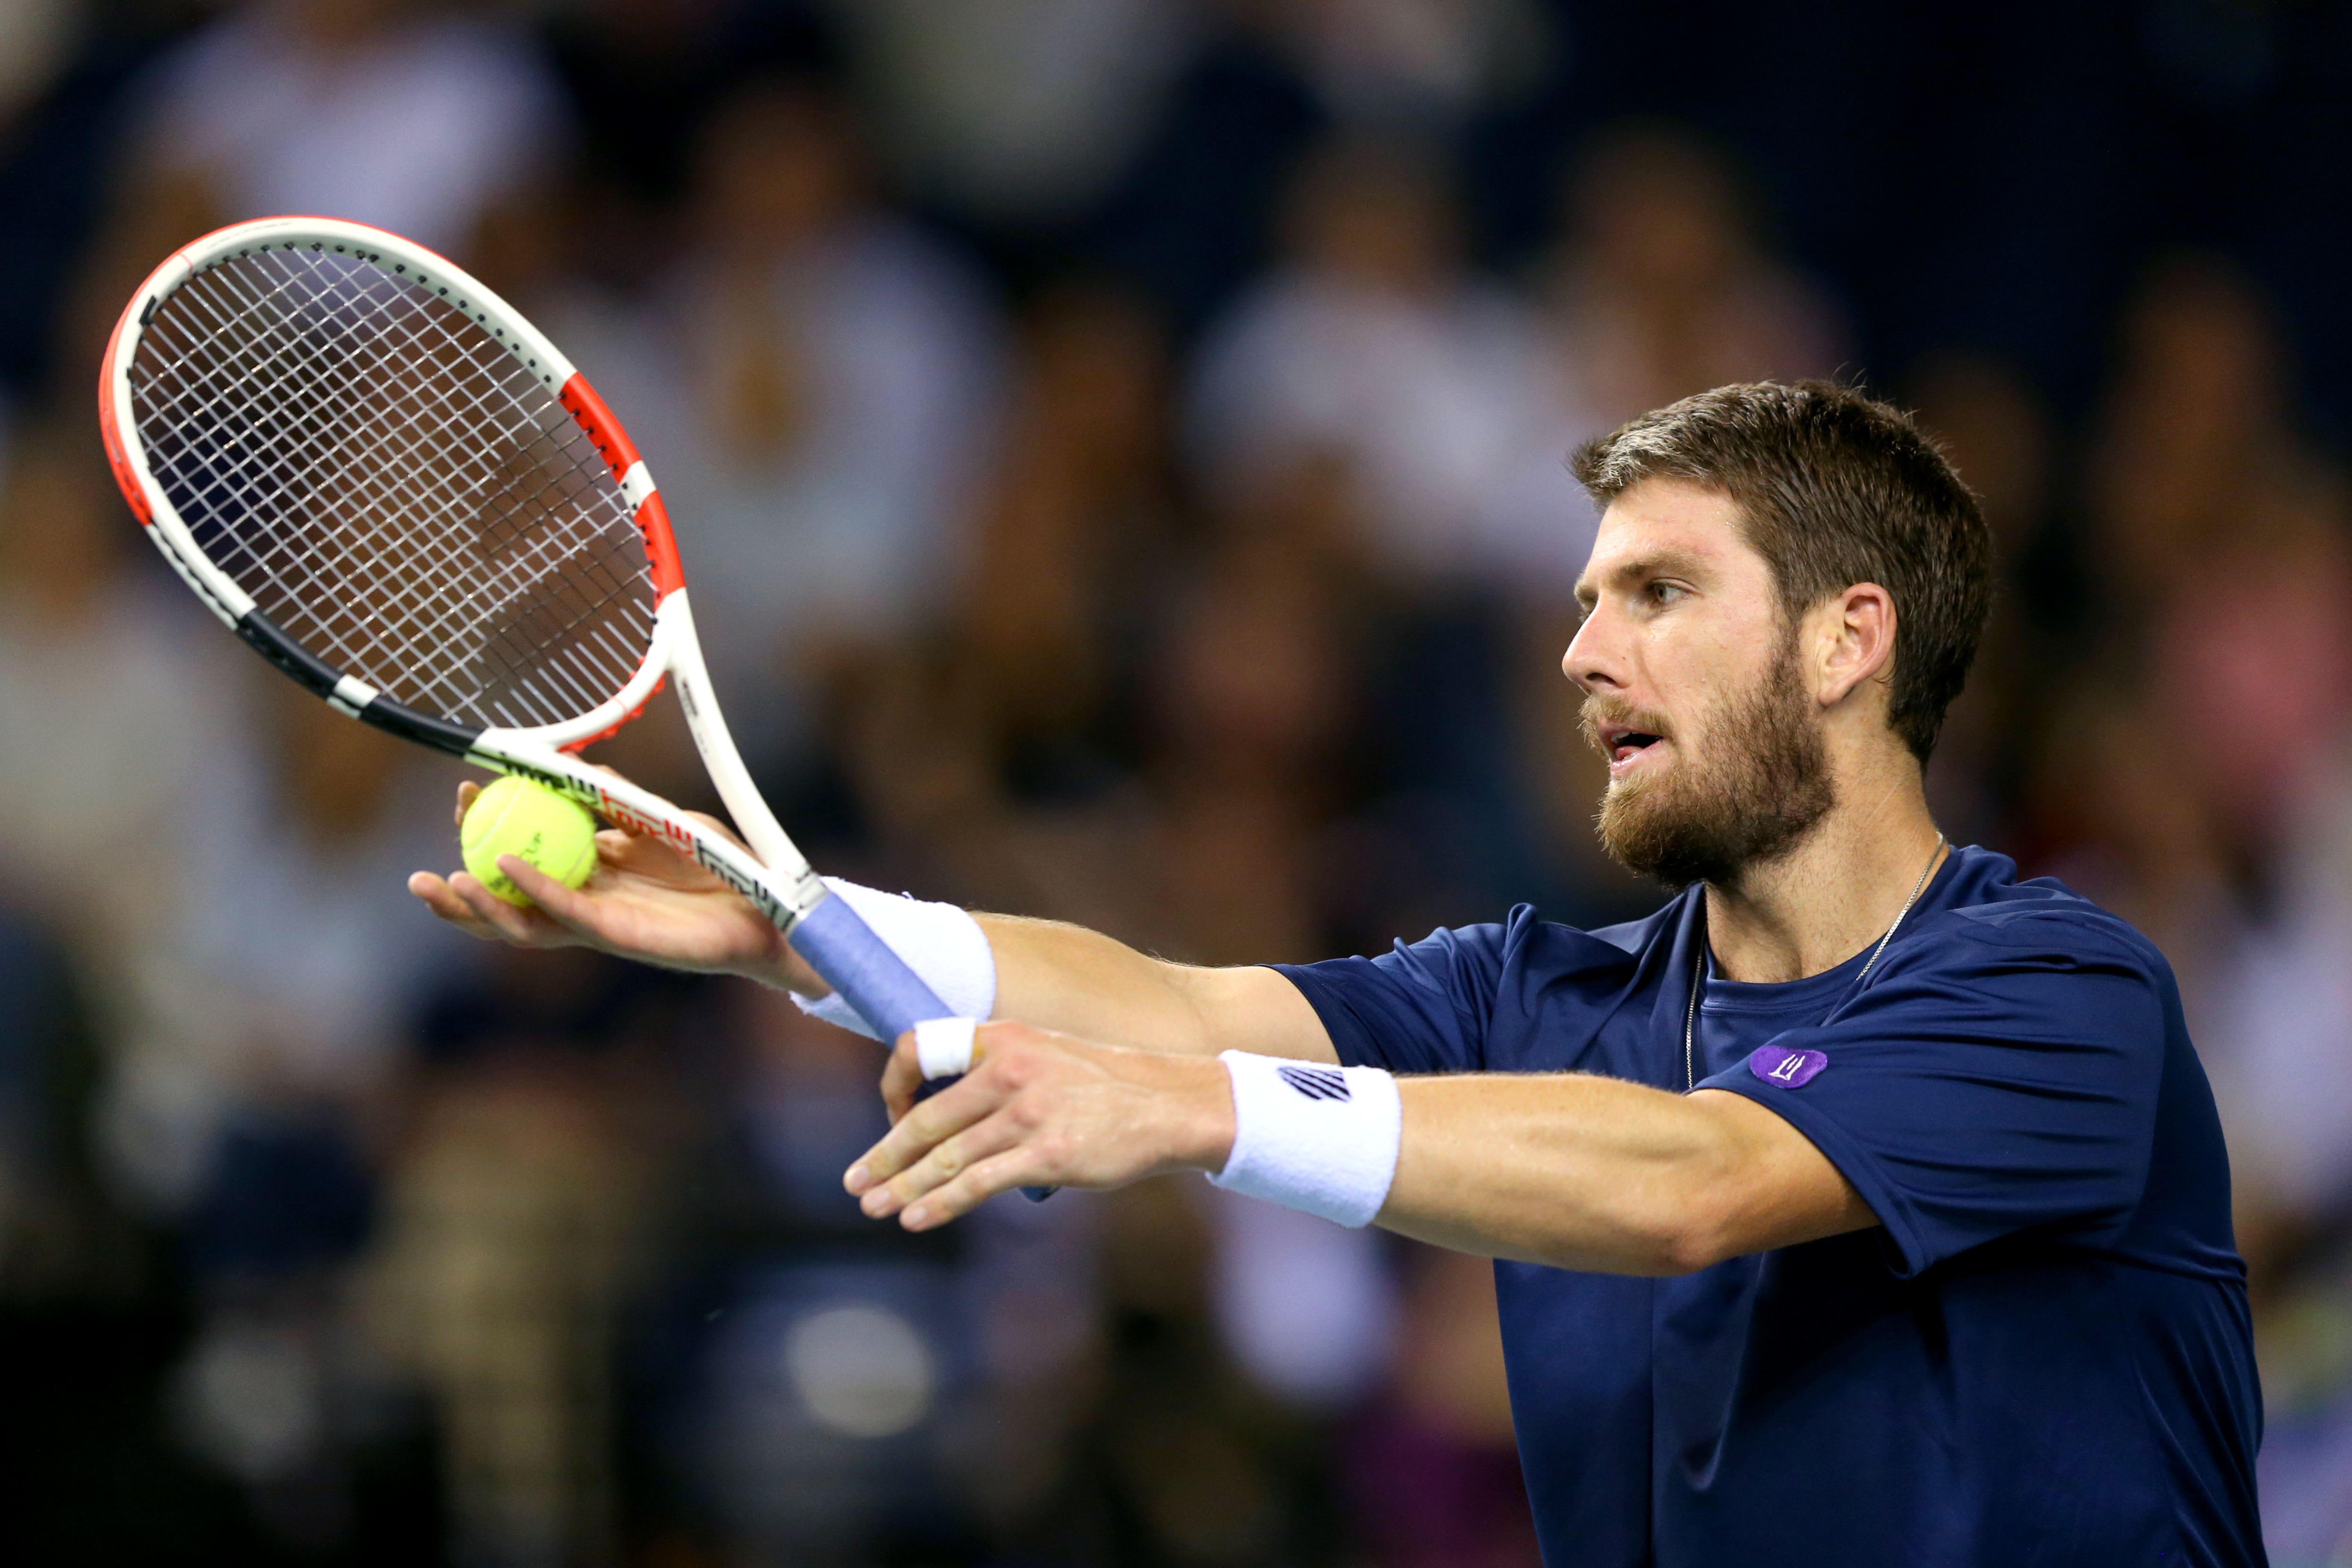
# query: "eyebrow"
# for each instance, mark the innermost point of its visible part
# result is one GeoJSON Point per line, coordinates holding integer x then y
{"type": "Point", "coordinates": [1658, 563]}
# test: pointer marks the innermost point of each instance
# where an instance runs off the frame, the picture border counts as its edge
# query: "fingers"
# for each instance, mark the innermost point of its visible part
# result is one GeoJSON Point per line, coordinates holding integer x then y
{"type": "Point", "coordinates": [567, 906]}
{"type": "Point", "coordinates": [569, 914]}
{"type": "Point", "coordinates": [444, 901]}
{"type": "Point", "coordinates": [902, 1079]}
{"type": "Point", "coordinates": [473, 908]}
{"type": "Point", "coordinates": [468, 905]}
{"type": "Point", "coordinates": [903, 1076]}
{"type": "Point", "coordinates": [946, 1155]}
{"type": "Point", "coordinates": [519, 924]}
{"type": "Point", "coordinates": [951, 1159]}
{"type": "Point", "coordinates": [921, 1130]}
{"type": "Point", "coordinates": [1021, 1166]}
{"type": "Point", "coordinates": [466, 790]}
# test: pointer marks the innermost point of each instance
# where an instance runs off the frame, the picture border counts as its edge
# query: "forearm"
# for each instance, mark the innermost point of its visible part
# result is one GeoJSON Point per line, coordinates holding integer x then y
{"type": "Point", "coordinates": [1568, 1170]}
{"type": "Point", "coordinates": [1588, 1173]}
{"type": "Point", "coordinates": [1079, 982]}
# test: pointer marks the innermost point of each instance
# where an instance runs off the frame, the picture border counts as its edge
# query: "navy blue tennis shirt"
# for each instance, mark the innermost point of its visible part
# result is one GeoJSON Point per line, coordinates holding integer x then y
{"type": "Point", "coordinates": [2043, 1356]}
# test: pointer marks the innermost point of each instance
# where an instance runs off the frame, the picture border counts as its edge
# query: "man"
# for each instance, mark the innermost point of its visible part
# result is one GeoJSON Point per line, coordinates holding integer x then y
{"type": "Point", "coordinates": [1866, 1205]}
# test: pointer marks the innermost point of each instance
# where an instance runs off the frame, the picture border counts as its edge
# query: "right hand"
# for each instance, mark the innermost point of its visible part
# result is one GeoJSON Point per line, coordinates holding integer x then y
{"type": "Point", "coordinates": [644, 901]}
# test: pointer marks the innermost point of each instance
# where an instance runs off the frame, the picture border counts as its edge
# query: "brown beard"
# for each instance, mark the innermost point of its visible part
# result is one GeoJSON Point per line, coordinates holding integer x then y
{"type": "Point", "coordinates": [1767, 786]}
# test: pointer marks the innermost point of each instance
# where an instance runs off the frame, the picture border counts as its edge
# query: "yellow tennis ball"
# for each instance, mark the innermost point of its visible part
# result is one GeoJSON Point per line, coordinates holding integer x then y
{"type": "Point", "coordinates": [529, 821]}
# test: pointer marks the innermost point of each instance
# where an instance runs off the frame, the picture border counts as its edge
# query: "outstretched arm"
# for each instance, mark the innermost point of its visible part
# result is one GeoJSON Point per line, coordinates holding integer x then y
{"type": "Point", "coordinates": [647, 902]}
{"type": "Point", "coordinates": [1570, 1169]}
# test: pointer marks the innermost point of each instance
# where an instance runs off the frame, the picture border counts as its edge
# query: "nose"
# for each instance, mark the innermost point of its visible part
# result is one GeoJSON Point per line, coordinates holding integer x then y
{"type": "Point", "coordinates": [1592, 660]}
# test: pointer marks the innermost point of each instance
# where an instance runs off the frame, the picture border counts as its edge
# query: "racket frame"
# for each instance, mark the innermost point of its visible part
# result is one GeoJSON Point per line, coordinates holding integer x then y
{"type": "Point", "coordinates": [773, 874]}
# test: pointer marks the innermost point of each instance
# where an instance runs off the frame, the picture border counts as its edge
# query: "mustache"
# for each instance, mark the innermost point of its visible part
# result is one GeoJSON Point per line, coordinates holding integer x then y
{"type": "Point", "coordinates": [1601, 709]}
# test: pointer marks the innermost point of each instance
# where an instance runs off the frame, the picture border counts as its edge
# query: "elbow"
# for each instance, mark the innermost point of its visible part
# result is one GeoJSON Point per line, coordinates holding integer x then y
{"type": "Point", "coordinates": [1688, 1247]}
{"type": "Point", "coordinates": [1698, 1226]}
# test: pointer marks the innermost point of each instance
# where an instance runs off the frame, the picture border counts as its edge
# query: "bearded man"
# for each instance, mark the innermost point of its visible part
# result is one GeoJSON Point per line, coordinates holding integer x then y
{"type": "Point", "coordinates": [1865, 1205]}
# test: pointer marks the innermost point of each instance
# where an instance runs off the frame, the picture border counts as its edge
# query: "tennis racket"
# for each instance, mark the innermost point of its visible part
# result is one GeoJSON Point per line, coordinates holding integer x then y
{"type": "Point", "coordinates": [386, 482]}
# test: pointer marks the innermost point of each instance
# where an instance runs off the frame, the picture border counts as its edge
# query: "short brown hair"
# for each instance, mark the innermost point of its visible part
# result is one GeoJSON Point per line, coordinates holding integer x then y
{"type": "Point", "coordinates": [1834, 488]}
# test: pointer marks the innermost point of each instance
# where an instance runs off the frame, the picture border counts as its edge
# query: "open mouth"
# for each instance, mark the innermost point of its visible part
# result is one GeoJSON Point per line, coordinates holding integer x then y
{"type": "Point", "coordinates": [1622, 742]}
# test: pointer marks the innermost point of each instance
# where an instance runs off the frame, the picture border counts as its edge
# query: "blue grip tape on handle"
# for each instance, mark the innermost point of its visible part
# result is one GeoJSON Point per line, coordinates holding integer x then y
{"type": "Point", "coordinates": [869, 975]}
{"type": "Point", "coordinates": [872, 978]}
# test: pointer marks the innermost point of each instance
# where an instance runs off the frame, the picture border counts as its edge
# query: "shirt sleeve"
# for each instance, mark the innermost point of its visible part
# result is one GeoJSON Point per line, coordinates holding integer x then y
{"type": "Point", "coordinates": [1999, 1076]}
{"type": "Point", "coordinates": [1422, 1007]}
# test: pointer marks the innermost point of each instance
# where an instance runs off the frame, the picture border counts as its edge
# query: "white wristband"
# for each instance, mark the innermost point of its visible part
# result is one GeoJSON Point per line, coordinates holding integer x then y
{"type": "Point", "coordinates": [1321, 1140]}
{"type": "Point", "coordinates": [940, 943]}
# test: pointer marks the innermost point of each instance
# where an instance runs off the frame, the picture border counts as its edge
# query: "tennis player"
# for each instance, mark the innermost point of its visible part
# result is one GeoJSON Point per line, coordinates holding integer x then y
{"type": "Point", "coordinates": [1867, 1205]}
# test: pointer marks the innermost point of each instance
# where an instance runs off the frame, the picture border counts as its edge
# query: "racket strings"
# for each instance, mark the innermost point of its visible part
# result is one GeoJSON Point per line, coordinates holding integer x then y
{"type": "Point", "coordinates": [400, 494]}
{"type": "Point", "coordinates": [409, 449]}
{"type": "Point", "coordinates": [424, 505]}
{"type": "Point", "coordinates": [302, 489]}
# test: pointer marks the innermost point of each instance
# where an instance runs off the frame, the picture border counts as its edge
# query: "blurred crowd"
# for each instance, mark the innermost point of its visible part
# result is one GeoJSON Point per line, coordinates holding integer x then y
{"type": "Point", "coordinates": [1117, 448]}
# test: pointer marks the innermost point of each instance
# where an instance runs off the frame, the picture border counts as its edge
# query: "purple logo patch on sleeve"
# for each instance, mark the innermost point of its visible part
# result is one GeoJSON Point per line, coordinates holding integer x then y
{"type": "Point", "coordinates": [1790, 1069]}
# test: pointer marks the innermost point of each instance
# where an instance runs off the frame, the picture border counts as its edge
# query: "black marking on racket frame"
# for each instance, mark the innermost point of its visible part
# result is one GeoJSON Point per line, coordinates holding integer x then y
{"type": "Point", "coordinates": [423, 728]}
{"type": "Point", "coordinates": [320, 679]}
{"type": "Point", "coordinates": [262, 635]}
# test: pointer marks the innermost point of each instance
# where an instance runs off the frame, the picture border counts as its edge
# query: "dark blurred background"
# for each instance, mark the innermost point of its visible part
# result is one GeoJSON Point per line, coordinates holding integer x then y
{"type": "Point", "coordinates": [1118, 447]}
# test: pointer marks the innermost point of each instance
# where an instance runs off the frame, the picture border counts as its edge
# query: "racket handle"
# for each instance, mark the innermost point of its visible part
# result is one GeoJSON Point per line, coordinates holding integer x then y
{"type": "Point", "coordinates": [873, 979]}
{"type": "Point", "coordinates": [869, 975]}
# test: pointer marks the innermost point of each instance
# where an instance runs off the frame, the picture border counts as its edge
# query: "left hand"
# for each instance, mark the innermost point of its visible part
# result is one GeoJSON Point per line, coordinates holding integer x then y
{"type": "Point", "coordinates": [1039, 1109]}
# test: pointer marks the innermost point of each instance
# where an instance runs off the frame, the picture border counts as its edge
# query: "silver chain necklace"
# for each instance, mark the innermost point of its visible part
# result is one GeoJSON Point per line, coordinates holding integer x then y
{"type": "Point", "coordinates": [1698, 969]}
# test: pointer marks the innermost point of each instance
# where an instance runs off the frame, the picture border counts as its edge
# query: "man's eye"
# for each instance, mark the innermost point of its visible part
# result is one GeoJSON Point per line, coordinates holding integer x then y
{"type": "Point", "coordinates": [1663, 592]}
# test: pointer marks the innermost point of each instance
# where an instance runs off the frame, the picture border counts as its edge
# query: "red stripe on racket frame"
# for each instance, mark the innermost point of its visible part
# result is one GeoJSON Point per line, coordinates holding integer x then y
{"type": "Point", "coordinates": [620, 455]}
{"type": "Point", "coordinates": [117, 456]}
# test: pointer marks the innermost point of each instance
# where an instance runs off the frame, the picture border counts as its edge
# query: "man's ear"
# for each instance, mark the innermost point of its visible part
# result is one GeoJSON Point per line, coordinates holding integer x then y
{"type": "Point", "coordinates": [1853, 635]}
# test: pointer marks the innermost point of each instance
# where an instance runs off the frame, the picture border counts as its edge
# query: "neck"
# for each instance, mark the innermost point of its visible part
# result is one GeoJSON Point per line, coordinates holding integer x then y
{"type": "Point", "coordinates": [1831, 897]}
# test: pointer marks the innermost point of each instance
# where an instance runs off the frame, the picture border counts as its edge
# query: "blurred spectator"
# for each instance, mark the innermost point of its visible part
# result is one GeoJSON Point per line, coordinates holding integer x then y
{"type": "Point", "coordinates": [815, 1387]}
{"type": "Point", "coordinates": [642, 79]}
{"type": "Point", "coordinates": [93, 663]}
{"type": "Point", "coordinates": [1994, 428]}
{"type": "Point", "coordinates": [292, 1016]}
{"type": "Point", "coordinates": [290, 961]}
{"type": "Point", "coordinates": [1663, 285]}
{"type": "Point", "coordinates": [1370, 341]}
{"type": "Point", "coordinates": [812, 387]}
{"type": "Point", "coordinates": [402, 113]}
{"type": "Point", "coordinates": [417, 116]}
{"type": "Point", "coordinates": [34, 36]}
{"type": "Point", "coordinates": [1254, 699]}
{"type": "Point", "coordinates": [61, 1243]}
{"type": "Point", "coordinates": [516, 1205]}
{"type": "Point", "coordinates": [106, 837]}
{"type": "Point", "coordinates": [2206, 768]}
{"type": "Point", "coordinates": [1075, 544]}
{"type": "Point", "coordinates": [1188, 220]}
{"type": "Point", "coordinates": [1219, 853]}
{"type": "Point", "coordinates": [244, 938]}
{"type": "Point", "coordinates": [2197, 435]}
{"type": "Point", "coordinates": [1016, 113]}
{"type": "Point", "coordinates": [1433, 1475]}
{"type": "Point", "coordinates": [2259, 644]}
{"type": "Point", "coordinates": [103, 668]}
{"type": "Point", "coordinates": [1423, 64]}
